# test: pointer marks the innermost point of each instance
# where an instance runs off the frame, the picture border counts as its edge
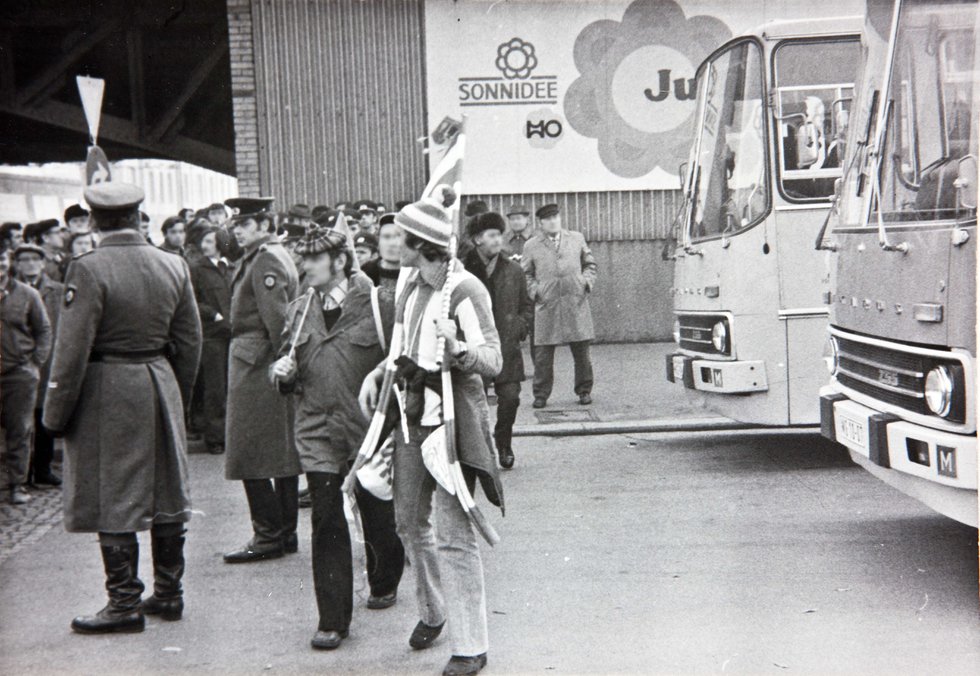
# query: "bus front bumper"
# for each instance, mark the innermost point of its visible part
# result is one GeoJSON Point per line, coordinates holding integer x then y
{"type": "Point", "coordinates": [724, 377]}
{"type": "Point", "coordinates": [892, 443]}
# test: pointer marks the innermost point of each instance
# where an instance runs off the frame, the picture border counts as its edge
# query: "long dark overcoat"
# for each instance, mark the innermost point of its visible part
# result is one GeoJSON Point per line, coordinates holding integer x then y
{"type": "Point", "coordinates": [258, 423]}
{"type": "Point", "coordinates": [512, 311]}
{"type": "Point", "coordinates": [125, 357]}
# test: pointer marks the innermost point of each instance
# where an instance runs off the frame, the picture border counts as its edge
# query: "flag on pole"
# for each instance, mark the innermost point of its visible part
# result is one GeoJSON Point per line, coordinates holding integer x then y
{"type": "Point", "coordinates": [91, 89]}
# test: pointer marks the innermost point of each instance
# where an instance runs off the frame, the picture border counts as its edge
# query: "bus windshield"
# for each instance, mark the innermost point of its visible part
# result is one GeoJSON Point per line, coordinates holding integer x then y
{"type": "Point", "coordinates": [932, 133]}
{"type": "Point", "coordinates": [729, 189]}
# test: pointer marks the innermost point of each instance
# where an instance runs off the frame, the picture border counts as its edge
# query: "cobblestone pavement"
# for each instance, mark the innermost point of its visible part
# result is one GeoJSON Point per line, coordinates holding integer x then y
{"type": "Point", "coordinates": [22, 525]}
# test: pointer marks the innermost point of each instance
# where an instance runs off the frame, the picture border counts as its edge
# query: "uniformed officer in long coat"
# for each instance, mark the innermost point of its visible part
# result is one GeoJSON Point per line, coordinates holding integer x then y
{"type": "Point", "coordinates": [259, 448]}
{"type": "Point", "coordinates": [125, 357]}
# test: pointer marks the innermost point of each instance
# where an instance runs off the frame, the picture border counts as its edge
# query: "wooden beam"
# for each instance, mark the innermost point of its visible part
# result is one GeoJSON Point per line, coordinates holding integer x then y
{"type": "Point", "coordinates": [60, 67]}
{"type": "Point", "coordinates": [137, 95]}
{"type": "Point", "coordinates": [124, 132]}
{"type": "Point", "coordinates": [194, 83]}
{"type": "Point", "coordinates": [8, 82]}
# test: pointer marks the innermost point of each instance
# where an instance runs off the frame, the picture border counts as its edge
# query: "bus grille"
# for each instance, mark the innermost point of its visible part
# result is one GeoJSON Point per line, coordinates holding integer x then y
{"type": "Point", "coordinates": [887, 374]}
{"type": "Point", "coordinates": [696, 333]}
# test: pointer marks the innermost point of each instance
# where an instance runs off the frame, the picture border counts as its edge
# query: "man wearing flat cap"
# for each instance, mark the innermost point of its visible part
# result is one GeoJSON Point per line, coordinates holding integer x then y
{"type": "Point", "coordinates": [48, 235]}
{"type": "Point", "coordinates": [125, 357]}
{"type": "Point", "coordinates": [29, 261]}
{"type": "Point", "coordinates": [367, 216]}
{"type": "Point", "coordinates": [76, 219]}
{"type": "Point", "coordinates": [337, 330]}
{"type": "Point", "coordinates": [365, 248]}
{"type": "Point", "coordinates": [259, 448]}
{"type": "Point", "coordinates": [561, 272]}
{"type": "Point", "coordinates": [518, 230]}
{"type": "Point", "coordinates": [24, 348]}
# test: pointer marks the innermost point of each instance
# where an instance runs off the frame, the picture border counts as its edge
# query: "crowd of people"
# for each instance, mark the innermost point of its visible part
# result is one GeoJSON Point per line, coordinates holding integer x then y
{"type": "Point", "coordinates": [263, 335]}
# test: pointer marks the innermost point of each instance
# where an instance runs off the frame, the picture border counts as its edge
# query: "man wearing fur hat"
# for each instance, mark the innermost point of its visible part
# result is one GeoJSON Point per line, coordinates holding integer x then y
{"type": "Point", "coordinates": [512, 315]}
{"type": "Point", "coordinates": [336, 330]}
{"type": "Point", "coordinates": [446, 559]}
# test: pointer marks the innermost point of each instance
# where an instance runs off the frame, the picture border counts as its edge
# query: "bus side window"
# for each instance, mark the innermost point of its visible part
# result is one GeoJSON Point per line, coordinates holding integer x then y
{"type": "Point", "coordinates": [814, 88]}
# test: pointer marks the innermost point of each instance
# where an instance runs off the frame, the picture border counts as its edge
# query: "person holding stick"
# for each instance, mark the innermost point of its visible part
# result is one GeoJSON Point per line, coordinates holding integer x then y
{"type": "Point", "coordinates": [330, 342]}
{"type": "Point", "coordinates": [446, 559]}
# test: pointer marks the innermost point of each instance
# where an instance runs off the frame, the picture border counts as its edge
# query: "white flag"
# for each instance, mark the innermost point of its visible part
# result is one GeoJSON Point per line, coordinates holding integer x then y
{"type": "Point", "coordinates": [91, 90]}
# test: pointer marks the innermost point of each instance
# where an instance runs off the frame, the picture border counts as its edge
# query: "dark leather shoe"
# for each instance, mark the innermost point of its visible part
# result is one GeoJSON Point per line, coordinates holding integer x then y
{"type": "Point", "coordinates": [216, 449]}
{"type": "Point", "coordinates": [465, 666]}
{"type": "Point", "coordinates": [48, 479]}
{"type": "Point", "coordinates": [382, 602]}
{"type": "Point", "coordinates": [506, 457]}
{"type": "Point", "coordinates": [424, 636]}
{"type": "Point", "coordinates": [170, 610]}
{"type": "Point", "coordinates": [539, 402]}
{"type": "Point", "coordinates": [585, 399]}
{"type": "Point", "coordinates": [328, 640]}
{"type": "Point", "coordinates": [290, 543]}
{"type": "Point", "coordinates": [250, 553]}
{"type": "Point", "coordinates": [305, 501]}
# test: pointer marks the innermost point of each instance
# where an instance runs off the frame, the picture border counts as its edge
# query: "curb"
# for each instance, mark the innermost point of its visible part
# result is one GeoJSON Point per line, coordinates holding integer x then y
{"type": "Point", "coordinates": [575, 429]}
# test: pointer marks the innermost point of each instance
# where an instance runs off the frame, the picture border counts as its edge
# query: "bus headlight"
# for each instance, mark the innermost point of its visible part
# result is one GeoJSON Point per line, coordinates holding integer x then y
{"type": "Point", "coordinates": [677, 331]}
{"type": "Point", "coordinates": [939, 391]}
{"type": "Point", "coordinates": [719, 336]}
{"type": "Point", "coordinates": [833, 355]}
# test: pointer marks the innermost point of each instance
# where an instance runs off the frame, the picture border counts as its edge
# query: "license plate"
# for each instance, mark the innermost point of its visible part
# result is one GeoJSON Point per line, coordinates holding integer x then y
{"type": "Point", "coordinates": [852, 431]}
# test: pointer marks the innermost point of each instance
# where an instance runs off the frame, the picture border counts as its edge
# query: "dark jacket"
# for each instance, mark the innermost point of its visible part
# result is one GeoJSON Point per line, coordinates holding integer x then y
{"type": "Point", "coordinates": [123, 414]}
{"type": "Point", "coordinates": [25, 331]}
{"type": "Point", "coordinates": [212, 288]}
{"type": "Point", "coordinates": [259, 434]}
{"type": "Point", "coordinates": [331, 365]}
{"type": "Point", "coordinates": [52, 293]}
{"type": "Point", "coordinates": [512, 310]}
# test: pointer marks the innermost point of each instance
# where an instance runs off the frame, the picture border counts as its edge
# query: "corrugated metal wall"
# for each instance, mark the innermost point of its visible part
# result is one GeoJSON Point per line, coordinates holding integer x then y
{"type": "Point", "coordinates": [603, 216]}
{"type": "Point", "coordinates": [340, 103]}
{"type": "Point", "coordinates": [340, 89]}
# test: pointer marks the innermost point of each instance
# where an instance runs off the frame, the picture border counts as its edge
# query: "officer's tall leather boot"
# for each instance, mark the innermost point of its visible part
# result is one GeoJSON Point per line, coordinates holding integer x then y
{"type": "Point", "coordinates": [167, 599]}
{"type": "Point", "coordinates": [266, 542]}
{"type": "Point", "coordinates": [122, 614]}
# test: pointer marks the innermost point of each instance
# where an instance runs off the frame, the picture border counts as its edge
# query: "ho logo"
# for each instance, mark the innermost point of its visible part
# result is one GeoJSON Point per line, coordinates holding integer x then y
{"type": "Point", "coordinates": [543, 128]}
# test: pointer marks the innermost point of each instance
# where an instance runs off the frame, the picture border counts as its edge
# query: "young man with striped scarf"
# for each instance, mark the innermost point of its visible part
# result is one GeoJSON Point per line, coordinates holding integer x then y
{"type": "Point", "coordinates": [446, 560]}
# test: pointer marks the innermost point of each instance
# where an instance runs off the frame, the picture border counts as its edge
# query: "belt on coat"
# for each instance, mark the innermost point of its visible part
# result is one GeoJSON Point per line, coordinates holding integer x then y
{"type": "Point", "coordinates": [133, 357]}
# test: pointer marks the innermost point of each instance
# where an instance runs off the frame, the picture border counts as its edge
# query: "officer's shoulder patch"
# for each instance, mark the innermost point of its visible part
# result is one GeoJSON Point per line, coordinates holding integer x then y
{"type": "Point", "coordinates": [70, 291]}
{"type": "Point", "coordinates": [269, 280]}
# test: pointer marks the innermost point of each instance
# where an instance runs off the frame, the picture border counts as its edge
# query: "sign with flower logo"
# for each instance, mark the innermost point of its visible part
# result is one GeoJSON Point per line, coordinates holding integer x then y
{"type": "Point", "coordinates": [581, 95]}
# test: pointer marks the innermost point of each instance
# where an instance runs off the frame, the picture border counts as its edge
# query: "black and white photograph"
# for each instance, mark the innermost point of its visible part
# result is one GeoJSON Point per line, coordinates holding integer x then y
{"type": "Point", "coordinates": [504, 337]}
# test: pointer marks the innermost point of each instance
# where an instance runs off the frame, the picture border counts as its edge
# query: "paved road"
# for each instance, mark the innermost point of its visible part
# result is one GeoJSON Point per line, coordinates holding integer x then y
{"type": "Point", "coordinates": [656, 554]}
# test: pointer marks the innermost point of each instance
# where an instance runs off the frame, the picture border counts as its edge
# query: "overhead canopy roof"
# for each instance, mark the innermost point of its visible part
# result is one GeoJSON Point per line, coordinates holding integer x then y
{"type": "Point", "coordinates": [167, 73]}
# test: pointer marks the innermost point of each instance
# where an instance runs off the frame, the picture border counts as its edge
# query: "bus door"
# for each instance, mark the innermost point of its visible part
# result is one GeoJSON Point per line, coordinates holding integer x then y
{"type": "Point", "coordinates": [811, 104]}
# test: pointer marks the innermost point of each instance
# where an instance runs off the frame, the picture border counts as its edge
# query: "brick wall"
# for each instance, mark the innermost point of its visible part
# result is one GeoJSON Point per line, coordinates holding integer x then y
{"type": "Point", "coordinates": [246, 118]}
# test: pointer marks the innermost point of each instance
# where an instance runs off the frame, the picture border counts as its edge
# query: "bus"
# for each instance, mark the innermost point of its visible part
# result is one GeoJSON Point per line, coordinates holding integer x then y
{"type": "Point", "coordinates": [772, 114]}
{"type": "Point", "coordinates": [902, 335]}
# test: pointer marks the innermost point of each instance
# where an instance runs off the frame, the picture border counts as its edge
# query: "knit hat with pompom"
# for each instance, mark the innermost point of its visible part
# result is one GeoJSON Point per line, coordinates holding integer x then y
{"type": "Point", "coordinates": [430, 218]}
